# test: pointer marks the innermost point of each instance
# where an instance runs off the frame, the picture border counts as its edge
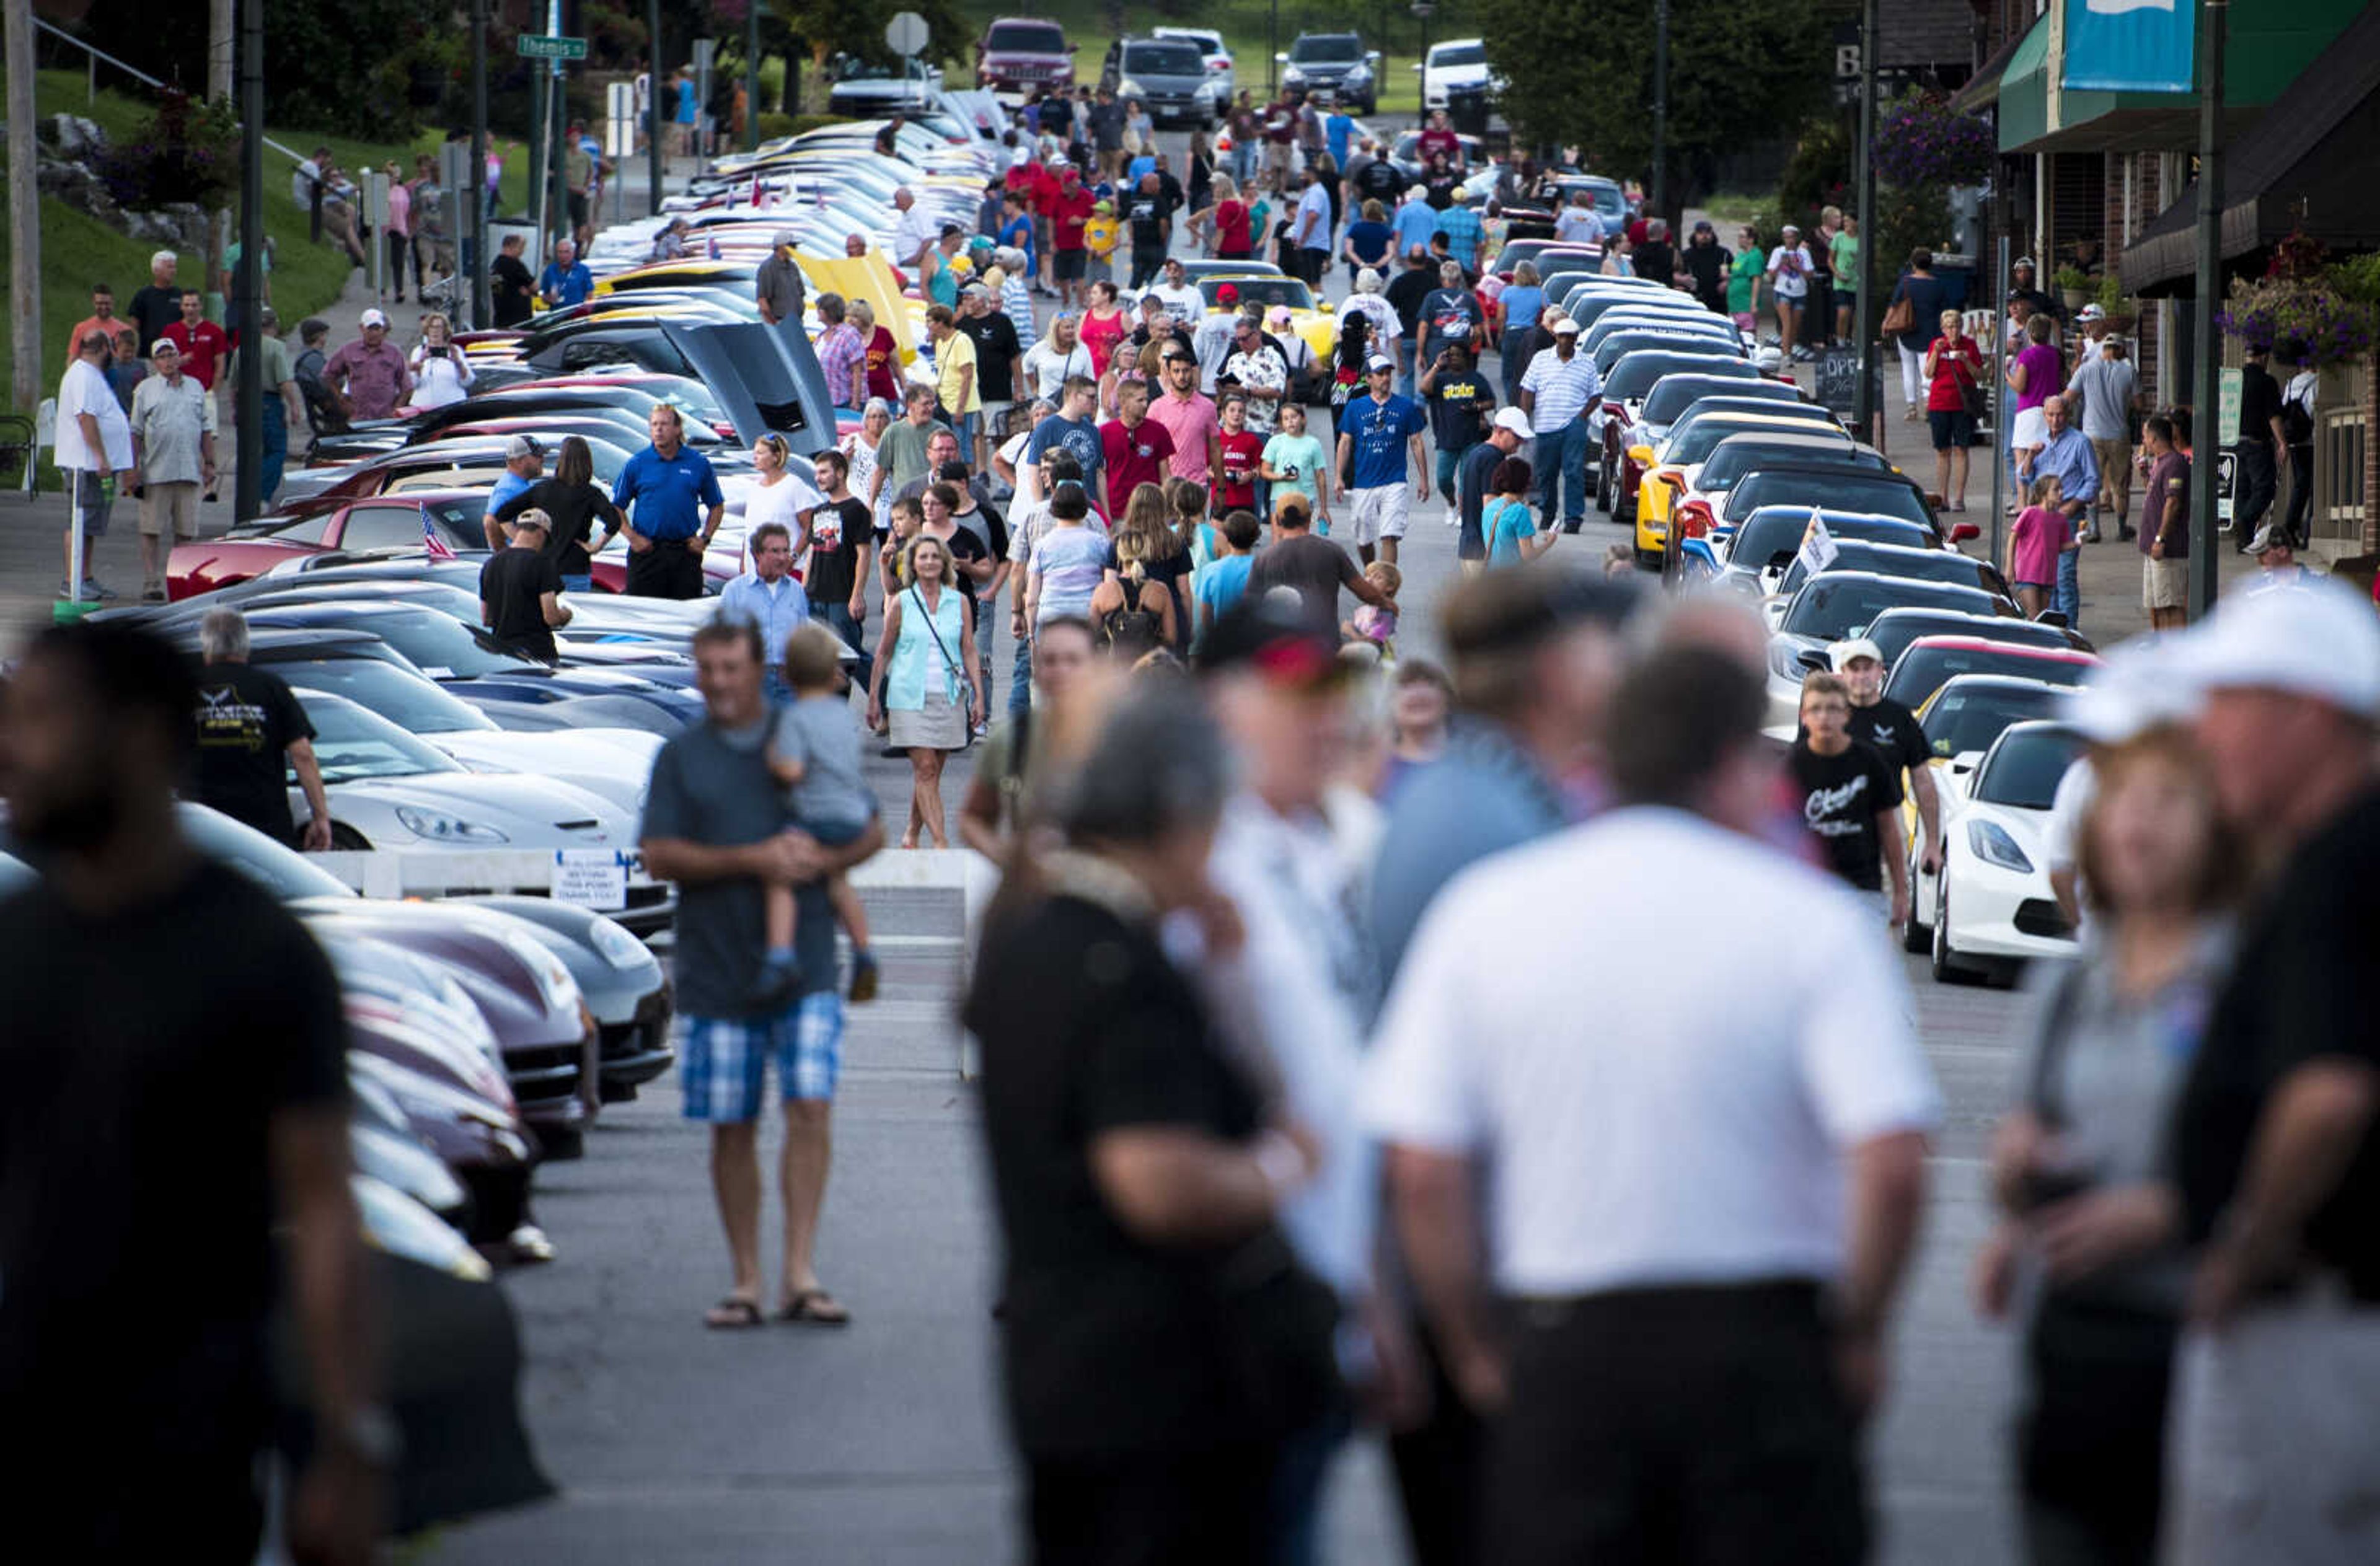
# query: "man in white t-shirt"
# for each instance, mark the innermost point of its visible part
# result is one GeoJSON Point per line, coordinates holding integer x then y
{"type": "Point", "coordinates": [1703, 1193]}
{"type": "Point", "coordinates": [94, 439]}
{"type": "Point", "coordinates": [1181, 298]}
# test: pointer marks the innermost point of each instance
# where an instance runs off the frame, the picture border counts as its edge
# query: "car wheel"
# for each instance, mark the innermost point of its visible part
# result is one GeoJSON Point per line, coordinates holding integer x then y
{"type": "Point", "coordinates": [1651, 560]}
{"type": "Point", "coordinates": [1917, 936]}
{"type": "Point", "coordinates": [346, 839]}
{"type": "Point", "coordinates": [1946, 967]}
{"type": "Point", "coordinates": [1602, 488]}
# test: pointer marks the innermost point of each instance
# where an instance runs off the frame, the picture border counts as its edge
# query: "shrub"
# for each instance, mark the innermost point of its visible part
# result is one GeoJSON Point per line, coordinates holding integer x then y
{"type": "Point", "coordinates": [188, 152]}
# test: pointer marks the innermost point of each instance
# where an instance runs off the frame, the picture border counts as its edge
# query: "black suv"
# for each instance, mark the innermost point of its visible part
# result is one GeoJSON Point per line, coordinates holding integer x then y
{"type": "Point", "coordinates": [1336, 62]}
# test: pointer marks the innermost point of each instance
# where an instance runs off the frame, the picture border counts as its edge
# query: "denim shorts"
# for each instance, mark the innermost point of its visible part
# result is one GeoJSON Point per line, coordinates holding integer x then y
{"type": "Point", "coordinates": [722, 1061]}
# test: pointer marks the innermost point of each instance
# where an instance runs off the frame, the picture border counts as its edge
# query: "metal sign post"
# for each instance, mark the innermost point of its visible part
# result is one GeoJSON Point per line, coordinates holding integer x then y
{"type": "Point", "coordinates": [1999, 448]}
{"type": "Point", "coordinates": [376, 219]}
{"type": "Point", "coordinates": [906, 35]}
{"type": "Point", "coordinates": [620, 142]}
{"type": "Point", "coordinates": [706, 54]}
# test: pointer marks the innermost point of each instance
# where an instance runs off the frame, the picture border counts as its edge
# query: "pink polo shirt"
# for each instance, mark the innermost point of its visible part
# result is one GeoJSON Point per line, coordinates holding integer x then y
{"type": "Point", "coordinates": [1192, 422]}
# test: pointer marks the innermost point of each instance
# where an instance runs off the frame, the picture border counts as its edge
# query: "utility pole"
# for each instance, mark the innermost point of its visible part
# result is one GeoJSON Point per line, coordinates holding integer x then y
{"type": "Point", "coordinates": [482, 311]}
{"type": "Point", "coordinates": [1662, 108]}
{"type": "Point", "coordinates": [557, 163]}
{"type": "Point", "coordinates": [24, 216]}
{"type": "Point", "coordinates": [2206, 424]}
{"type": "Point", "coordinates": [654, 108]}
{"type": "Point", "coordinates": [1865, 314]}
{"type": "Point", "coordinates": [1272, 52]}
{"type": "Point", "coordinates": [248, 287]}
{"type": "Point", "coordinates": [751, 76]}
{"type": "Point", "coordinates": [220, 26]}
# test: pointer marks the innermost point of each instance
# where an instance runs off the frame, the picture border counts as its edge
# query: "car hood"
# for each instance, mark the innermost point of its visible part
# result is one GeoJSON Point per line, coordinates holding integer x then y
{"type": "Point", "coordinates": [616, 972]}
{"type": "Point", "coordinates": [532, 812]}
{"type": "Point", "coordinates": [613, 764]}
{"type": "Point", "coordinates": [524, 990]}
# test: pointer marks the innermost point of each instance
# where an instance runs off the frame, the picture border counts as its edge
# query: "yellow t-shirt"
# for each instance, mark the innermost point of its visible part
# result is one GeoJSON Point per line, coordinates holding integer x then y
{"type": "Point", "coordinates": [952, 354]}
{"type": "Point", "coordinates": [1099, 236]}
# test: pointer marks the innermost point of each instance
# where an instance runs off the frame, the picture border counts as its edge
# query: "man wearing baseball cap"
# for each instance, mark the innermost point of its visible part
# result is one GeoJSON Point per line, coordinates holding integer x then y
{"type": "Point", "coordinates": [1506, 435]}
{"type": "Point", "coordinates": [1376, 435]}
{"type": "Point", "coordinates": [2273, 1143]}
{"type": "Point", "coordinates": [1557, 392]}
{"type": "Point", "coordinates": [368, 374]}
{"type": "Point", "coordinates": [777, 286]}
{"type": "Point", "coordinates": [1878, 721]}
{"type": "Point", "coordinates": [524, 465]}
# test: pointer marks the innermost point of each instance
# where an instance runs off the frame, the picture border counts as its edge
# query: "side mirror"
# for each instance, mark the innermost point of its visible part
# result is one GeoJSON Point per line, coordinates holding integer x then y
{"type": "Point", "coordinates": [1934, 500]}
{"type": "Point", "coordinates": [1415, 66]}
{"type": "Point", "coordinates": [1965, 532]}
{"type": "Point", "coordinates": [1781, 561]}
{"type": "Point", "coordinates": [1282, 59]}
{"type": "Point", "coordinates": [1815, 661]}
{"type": "Point", "coordinates": [1073, 48]}
{"type": "Point", "coordinates": [1373, 55]}
{"type": "Point", "coordinates": [2050, 617]}
{"type": "Point", "coordinates": [1641, 455]}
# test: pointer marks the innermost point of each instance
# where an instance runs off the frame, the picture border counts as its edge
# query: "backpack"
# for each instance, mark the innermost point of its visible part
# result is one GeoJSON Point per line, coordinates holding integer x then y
{"type": "Point", "coordinates": [2297, 421]}
{"type": "Point", "coordinates": [1131, 630]}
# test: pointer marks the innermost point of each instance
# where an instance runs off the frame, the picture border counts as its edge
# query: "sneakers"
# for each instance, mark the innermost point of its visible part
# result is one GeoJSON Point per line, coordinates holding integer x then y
{"type": "Point", "coordinates": [92, 589]}
{"type": "Point", "coordinates": [779, 980]}
{"type": "Point", "coordinates": [153, 595]}
{"type": "Point", "coordinates": [864, 977]}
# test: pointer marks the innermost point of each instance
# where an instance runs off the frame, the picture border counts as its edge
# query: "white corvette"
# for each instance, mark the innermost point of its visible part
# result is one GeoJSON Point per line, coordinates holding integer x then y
{"type": "Point", "coordinates": [1992, 908]}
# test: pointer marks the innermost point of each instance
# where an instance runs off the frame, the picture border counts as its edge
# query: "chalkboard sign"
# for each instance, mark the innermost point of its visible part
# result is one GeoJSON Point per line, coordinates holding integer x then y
{"type": "Point", "coordinates": [1838, 382]}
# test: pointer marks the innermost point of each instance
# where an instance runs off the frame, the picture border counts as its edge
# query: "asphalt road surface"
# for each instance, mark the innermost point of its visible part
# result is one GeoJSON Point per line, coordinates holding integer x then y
{"type": "Point", "coordinates": [882, 1443]}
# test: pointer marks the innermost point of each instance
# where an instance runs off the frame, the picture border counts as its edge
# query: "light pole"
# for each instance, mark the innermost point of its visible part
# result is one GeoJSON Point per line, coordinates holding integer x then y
{"type": "Point", "coordinates": [1423, 8]}
{"type": "Point", "coordinates": [2205, 374]}
{"type": "Point", "coordinates": [751, 76]}
{"type": "Point", "coordinates": [248, 287]}
{"type": "Point", "coordinates": [1272, 52]}
{"type": "Point", "coordinates": [653, 108]}
{"type": "Point", "coordinates": [1662, 108]}
{"type": "Point", "coordinates": [482, 316]}
{"type": "Point", "coordinates": [1865, 307]}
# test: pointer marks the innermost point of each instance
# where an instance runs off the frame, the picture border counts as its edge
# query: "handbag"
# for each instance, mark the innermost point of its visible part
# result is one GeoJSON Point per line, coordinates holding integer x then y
{"type": "Point", "coordinates": [1899, 317]}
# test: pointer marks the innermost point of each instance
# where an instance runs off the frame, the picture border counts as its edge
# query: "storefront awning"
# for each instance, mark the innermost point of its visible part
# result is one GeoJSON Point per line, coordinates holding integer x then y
{"type": "Point", "coordinates": [2309, 168]}
{"type": "Point", "coordinates": [1982, 89]}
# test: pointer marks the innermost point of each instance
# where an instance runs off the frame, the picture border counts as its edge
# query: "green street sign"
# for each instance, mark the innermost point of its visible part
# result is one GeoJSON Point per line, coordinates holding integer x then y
{"type": "Point", "coordinates": [544, 48]}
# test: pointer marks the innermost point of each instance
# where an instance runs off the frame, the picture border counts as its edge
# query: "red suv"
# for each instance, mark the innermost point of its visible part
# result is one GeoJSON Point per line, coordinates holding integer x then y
{"type": "Point", "coordinates": [1018, 55]}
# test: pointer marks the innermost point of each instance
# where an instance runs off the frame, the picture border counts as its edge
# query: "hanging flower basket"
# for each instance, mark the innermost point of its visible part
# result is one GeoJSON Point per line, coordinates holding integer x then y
{"type": "Point", "coordinates": [2308, 312]}
{"type": "Point", "coordinates": [1920, 140]}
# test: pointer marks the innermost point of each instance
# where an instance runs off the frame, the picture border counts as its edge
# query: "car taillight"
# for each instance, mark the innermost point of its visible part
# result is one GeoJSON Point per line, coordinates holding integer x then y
{"type": "Point", "coordinates": [1694, 519]}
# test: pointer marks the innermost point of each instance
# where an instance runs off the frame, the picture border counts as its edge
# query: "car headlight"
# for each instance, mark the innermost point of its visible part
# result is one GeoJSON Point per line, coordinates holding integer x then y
{"type": "Point", "coordinates": [1293, 76]}
{"type": "Point", "coordinates": [614, 944]}
{"type": "Point", "coordinates": [1993, 845]}
{"type": "Point", "coordinates": [554, 984]}
{"type": "Point", "coordinates": [1360, 73]}
{"type": "Point", "coordinates": [439, 827]}
{"type": "Point", "coordinates": [1128, 88]}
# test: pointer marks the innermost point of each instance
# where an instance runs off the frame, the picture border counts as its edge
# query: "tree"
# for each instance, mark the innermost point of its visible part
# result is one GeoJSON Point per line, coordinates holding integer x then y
{"type": "Point", "coordinates": [1740, 71]}
{"type": "Point", "coordinates": [857, 28]}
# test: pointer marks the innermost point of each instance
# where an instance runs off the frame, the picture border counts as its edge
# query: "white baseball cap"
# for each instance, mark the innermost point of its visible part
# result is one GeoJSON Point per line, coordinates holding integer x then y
{"type": "Point", "coordinates": [1565, 327]}
{"type": "Point", "coordinates": [1842, 653]}
{"type": "Point", "coordinates": [2131, 692]}
{"type": "Point", "coordinates": [1512, 418]}
{"type": "Point", "coordinates": [373, 318]}
{"type": "Point", "coordinates": [2321, 640]}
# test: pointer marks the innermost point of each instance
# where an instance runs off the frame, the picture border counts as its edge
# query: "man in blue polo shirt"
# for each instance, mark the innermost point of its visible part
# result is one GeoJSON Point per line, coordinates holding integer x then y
{"type": "Point", "coordinates": [1375, 433]}
{"type": "Point", "coordinates": [565, 280]}
{"type": "Point", "coordinates": [662, 489]}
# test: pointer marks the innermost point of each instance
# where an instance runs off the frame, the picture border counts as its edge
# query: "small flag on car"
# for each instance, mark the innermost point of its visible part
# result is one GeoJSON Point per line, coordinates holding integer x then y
{"type": "Point", "coordinates": [433, 541]}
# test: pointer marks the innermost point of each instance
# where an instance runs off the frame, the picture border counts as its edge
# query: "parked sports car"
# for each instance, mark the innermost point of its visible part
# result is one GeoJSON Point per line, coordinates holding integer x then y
{"type": "Point", "coordinates": [1993, 908]}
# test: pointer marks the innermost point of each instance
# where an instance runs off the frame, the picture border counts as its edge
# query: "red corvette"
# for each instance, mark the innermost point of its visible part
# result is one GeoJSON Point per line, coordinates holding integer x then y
{"type": "Point", "coordinates": [378, 522]}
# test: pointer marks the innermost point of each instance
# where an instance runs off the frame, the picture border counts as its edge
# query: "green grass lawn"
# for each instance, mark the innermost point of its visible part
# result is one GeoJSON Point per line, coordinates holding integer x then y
{"type": "Point", "coordinates": [78, 251]}
{"type": "Point", "coordinates": [1243, 24]}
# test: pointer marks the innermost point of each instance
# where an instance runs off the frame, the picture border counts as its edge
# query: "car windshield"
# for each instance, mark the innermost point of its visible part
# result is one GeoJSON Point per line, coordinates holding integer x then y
{"type": "Point", "coordinates": [1693, 442]}
{"type": "Point", "coordinates": [416, 705]}
{"type": "Point", "coordinates": [1830, 606]}
{"type": "Point", "coordinates": [1778, 530]}
{"type": "Point", "coordinates": [1893, 633]}
{"type": "Point", "coordinates": [1459, 55]}
{"type": "Point", "coordinates": [1746, 453]}
{"type": "Point", "coordinates": [1922, 671]}
{"type": "Point", "coordinates": [308, 530]}
{"type": "Point", "coordinates": [1851, 490]}
{"type": "Point", "coordinates": [442, 647]}
{"type": "Point", "coordinates": [1637, 374]}
{"type": "Point", "coordinates": [1327, 50]}
{"type": "Point", "coordinates": [1026, 38]}
{"type": "Point", "coordinates": [2025, 769]}
{"type": "Point", "coordinates": [1608, 201]}
{"type": "Point", "coordinates": [1968, 715]}
{"type": "Point", "coordinates": [1922, 565]}
{"type": "Point", "coordinates": [1268, 291]}
{"type": "Point", "coordinates": [1671, 403]}
{"type": "Point", "coordinates": [280, 870]}
{"type": "Point", "coordinates": [1636, 339]}
{"type": "Point", "coordinates": [351, 742]}
{"type": "Point", "coordinates": [1164, 59]}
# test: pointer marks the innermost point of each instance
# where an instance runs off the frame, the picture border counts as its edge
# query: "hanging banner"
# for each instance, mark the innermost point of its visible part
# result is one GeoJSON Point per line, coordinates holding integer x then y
{"type": "Point", "coordinates": [2130, 45]}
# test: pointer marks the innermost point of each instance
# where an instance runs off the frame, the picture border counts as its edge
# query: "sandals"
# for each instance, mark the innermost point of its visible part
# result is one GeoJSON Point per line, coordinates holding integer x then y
{"type": "Point", "coordinates": [733, 1315]}
{"type": "Point", "coordinates": [814, 1307]}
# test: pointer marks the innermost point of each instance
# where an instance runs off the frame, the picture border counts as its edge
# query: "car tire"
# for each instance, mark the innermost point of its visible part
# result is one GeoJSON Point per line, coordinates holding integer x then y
{"type": "Point", "coordinates": [1602, 489]}
{"type": "Point", "coordinates": [1652, 560]}
{"type": "Point", "coordinates": [344, 839]}
{"type": "Point", "coordinates": [1946, 967]}
{"type": "Point", "coordinates": [1916, 939]}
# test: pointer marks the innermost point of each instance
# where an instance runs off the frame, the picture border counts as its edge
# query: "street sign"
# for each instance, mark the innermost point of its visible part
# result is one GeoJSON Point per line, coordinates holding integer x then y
{"type": "Point", "coordinates": [906, 34]}
{"type": "Point", "coordinates": [620, 120]}
{"type": "Point", "coordinates": [537, 46]}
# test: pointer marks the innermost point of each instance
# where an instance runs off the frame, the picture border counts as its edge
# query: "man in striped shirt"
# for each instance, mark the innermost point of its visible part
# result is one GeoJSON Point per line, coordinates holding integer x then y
{"type": "Point", "coordinates": [1557, 393]}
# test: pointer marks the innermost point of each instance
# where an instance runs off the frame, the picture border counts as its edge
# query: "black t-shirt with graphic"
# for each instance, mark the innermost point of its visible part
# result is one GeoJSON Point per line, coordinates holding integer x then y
{"type": "Point", "coordinates": [1147, 211]}
{"type": "Point", "coordinates": [840, 530]}
{"type": "Point", "coordinates": [1895, 732]}
{"type": "Point", "coordinates": [1841, 795]}
{"type": "Point", "coordinates": [247, 721]}
{"type": "Point", "coordinates": [1455, 401]}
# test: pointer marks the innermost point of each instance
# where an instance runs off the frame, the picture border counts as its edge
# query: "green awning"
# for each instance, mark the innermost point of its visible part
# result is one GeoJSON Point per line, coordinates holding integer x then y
{"type": "Point", "coordinates": [2024, 90]}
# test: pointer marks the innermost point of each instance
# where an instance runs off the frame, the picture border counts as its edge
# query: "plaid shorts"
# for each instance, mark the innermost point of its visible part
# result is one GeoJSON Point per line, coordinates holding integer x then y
{"type": "Point", "coordinates": [722, 1061]}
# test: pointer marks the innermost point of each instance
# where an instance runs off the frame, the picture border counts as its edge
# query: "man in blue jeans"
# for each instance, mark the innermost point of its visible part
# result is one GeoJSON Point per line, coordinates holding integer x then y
{"type": "Point", "coordinates": [1559, 394]}
{"type": "Point", "coordinates": [715, 824]}
{"type": "Point", "coordinates": [2066, 455]}
{"type": "Point", "coordinates": [840, 532]}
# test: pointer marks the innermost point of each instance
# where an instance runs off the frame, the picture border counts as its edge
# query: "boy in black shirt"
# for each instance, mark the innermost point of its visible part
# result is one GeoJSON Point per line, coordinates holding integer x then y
{"type": "Point", "coordinates": [841, 531]}
{"type": "Point", "coordinates": [1893, 729]}
{"type": "Point", "coordinates": [520, 592]}
{"type": "Point", "coordinates": [1851, 801]}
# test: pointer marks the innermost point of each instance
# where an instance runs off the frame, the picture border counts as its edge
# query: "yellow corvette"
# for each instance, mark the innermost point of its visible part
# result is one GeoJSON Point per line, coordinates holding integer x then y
{"type": "Point", "coordinates": [1671, 471]}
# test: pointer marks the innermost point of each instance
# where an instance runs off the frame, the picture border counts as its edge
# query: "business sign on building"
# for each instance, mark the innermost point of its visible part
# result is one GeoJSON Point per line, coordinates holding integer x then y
{"type": "Point", "coordinates": [2129, 45]}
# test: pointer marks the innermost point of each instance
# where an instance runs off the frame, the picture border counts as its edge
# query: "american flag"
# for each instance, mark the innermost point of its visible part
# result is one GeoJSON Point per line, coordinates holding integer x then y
{"type": "Point", "coordinates": [432, 540]}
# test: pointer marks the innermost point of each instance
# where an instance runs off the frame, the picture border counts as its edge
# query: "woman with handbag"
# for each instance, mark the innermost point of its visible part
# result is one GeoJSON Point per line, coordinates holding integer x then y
{"type": "Point", "coordinates": [916, 696]}
{"type": "Point", "coordinates": [1160, 1342]}
{"type": "Point", "coordinates": [2089, 1254]}
{"type": "Point", "coordinates": [1918, 301]}
{"type": "Point", "coordinates": [1954, 385]}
